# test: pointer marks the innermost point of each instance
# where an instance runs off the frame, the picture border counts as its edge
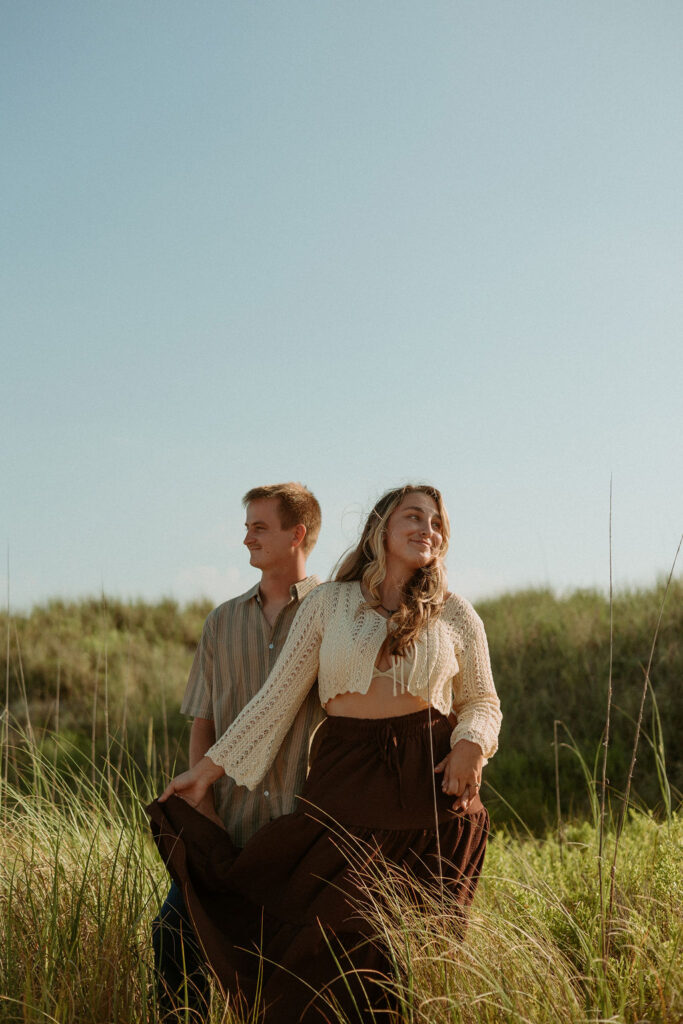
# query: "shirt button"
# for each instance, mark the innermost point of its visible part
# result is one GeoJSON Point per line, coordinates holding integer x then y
{"type": "Point", "coordinates": [266, 792]}
{"type": "Point", "coordinates": [270, 646]}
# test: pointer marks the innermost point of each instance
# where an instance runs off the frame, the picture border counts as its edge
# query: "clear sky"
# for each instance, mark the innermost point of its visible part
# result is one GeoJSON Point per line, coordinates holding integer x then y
{"type": "Point", "coordinates": [351, 244]}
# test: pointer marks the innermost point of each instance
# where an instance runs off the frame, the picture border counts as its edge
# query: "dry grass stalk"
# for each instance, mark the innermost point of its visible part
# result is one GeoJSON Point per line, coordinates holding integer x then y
{"type": "Point", "coordinates": [5, 715]}
{"type": "Point", "coordinates": [560, 837]}
{"type": "Point", "coordinates": [636, 742]}
{"type": "Point", "coordinates": [603, 780]}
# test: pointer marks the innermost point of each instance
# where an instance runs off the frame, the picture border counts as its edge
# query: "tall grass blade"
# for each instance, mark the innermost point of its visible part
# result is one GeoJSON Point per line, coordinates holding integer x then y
{"type": "Point", "coordinates": [5, 716]}
{"type": "Point", "coordinates": [636, 742]}
{"type": "Point", "coordinates": [606, 739]}
{"type": "Point", "coordinates": [560, 837]}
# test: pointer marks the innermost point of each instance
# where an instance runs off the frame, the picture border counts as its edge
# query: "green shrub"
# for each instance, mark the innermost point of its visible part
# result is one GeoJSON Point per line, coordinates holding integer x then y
{"type": "Point", "coordinates": [123, 666]}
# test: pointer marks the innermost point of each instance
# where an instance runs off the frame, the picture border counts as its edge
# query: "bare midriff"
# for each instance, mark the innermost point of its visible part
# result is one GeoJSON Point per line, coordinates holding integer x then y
{"type": "Point", "coordinates": [378, 702]}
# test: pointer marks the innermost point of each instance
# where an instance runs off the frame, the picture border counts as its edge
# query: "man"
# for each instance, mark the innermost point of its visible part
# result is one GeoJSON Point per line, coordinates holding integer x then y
{"type": "Point", "coordinates": [240, 643]}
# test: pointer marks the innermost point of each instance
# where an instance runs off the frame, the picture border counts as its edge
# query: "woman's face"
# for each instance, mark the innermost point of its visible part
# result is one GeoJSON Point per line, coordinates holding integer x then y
{"type": "Point", "coordinates": [414, 532]}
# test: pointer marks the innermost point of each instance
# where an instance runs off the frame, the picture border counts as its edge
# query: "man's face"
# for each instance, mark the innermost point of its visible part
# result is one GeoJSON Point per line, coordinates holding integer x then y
{"type": "Point", "coordinates": [267, 542]}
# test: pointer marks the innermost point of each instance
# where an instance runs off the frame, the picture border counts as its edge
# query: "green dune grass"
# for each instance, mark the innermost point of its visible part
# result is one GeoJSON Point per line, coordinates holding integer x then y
{"type": "Point", "coordinates": [98, 672]}
{"type": "Point", "coordinates": [91, 728]}
{"type": "Point", "coordinates": [80, 882]}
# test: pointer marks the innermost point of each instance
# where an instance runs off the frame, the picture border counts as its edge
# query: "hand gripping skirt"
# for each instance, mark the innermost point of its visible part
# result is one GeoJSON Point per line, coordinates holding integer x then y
{"type": "Point", "coordinates": [280, 921]}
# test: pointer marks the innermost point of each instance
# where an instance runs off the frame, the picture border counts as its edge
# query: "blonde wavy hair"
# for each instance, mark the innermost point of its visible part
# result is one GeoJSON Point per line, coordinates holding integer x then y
{"type": "Point", "coordinates": [426, 590]}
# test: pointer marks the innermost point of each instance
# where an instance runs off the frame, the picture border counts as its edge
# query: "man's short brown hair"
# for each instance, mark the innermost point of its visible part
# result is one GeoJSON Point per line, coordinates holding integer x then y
{"type": "Point", "coordinates": [296, 504]}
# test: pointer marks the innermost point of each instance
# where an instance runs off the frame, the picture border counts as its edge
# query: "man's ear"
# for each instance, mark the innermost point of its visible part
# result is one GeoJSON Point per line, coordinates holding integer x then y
{"type": "Point", "coordinates": [298, 535]}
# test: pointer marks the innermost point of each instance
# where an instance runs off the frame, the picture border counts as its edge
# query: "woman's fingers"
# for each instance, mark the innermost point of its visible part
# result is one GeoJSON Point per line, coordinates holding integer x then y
{"type": "Point", "coordinates": [463, 797]}
{"type": "Point", "coordinates": [461, 777]}
{"type": "Point", "coordinates": [193, 785]}
{"type": "Point", "coordinates": [169, 791]}
{"type": "Point", "coordinates": [451, 781]}
{"type": "Point", "coordinates": [463, 786]}
{"type": "Point", "coordinates": [181, 785]}
{"type": "Point", "coordinates": [468, 794]}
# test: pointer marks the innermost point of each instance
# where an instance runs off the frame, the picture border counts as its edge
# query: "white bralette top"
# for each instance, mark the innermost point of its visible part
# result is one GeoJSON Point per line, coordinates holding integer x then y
{"type": "Point", "coordinates": [398, 672]}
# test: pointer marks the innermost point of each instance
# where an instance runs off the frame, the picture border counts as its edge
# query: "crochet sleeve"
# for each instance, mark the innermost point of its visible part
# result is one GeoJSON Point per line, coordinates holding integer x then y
{"type": "Point", "coordinates": [248, 747]}
{"type": "Point", "coordinates": [475, 700]}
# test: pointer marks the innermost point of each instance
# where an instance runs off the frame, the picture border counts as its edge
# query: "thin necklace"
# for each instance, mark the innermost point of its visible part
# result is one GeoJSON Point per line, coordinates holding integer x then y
{"type": "Point", "coordinates": [389, 611]}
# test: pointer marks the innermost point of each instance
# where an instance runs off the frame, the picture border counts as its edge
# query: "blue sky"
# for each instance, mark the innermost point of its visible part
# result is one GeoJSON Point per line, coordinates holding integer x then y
{"type": "Point", "coordinates": [350, 244]}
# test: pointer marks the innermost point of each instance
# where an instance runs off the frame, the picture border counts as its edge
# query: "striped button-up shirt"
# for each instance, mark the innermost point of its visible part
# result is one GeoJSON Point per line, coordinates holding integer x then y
{"type": "Point", "coordinates": [237, 650]}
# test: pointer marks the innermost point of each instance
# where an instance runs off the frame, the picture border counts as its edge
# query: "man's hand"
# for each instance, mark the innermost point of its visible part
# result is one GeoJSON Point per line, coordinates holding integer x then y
{"type": "Point", "coordinates": [193, 785]}
{"type": "Point", "coordinates": [462, 773]}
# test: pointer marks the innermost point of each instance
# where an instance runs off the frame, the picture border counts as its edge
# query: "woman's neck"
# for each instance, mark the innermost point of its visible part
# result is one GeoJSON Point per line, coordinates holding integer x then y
{"type": "Point", "coordinates": [392, 589]}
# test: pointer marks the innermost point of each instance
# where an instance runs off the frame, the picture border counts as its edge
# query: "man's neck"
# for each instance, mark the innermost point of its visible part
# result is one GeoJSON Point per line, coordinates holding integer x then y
{"type": "Point", "coordinates": [276, 583]}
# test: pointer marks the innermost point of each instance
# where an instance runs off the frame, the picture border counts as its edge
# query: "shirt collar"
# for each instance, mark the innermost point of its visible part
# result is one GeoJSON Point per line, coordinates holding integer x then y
{"type": "Point", "coordinates": [303, 587]}
{"type": "Point", "coordinates": [297, 590]}
{"type": "Point", "coordinates": [249, 594]}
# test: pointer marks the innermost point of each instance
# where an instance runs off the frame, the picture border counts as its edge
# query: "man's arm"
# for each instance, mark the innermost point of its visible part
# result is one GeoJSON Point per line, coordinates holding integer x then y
{"type": "Point", "coordinates": [203, 736]}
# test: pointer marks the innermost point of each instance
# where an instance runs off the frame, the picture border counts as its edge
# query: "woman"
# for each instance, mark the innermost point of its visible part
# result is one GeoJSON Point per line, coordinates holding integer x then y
{"type": "Point", "coordinates": [394, 653]}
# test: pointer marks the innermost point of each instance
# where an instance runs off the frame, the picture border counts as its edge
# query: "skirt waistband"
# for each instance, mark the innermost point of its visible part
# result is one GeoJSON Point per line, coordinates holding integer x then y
{"type": "Point", "coordinates": [378, 773]}
{"type": "Point", "coordinates": [400, 725]}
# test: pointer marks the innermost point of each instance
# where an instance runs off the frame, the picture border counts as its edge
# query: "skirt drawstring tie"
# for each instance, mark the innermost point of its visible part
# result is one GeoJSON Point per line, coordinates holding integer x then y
{"type": "Point", "coordinates": [387, 742]}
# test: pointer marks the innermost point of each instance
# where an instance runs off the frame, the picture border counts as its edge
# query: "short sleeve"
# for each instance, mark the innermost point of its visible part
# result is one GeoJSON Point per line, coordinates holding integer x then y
{"type": "Point", "coordinates": [248, 747]}
{"type": "Point", "coordinates": [198, 699]}
{"type": "Point", "coordinates": [475, 700]}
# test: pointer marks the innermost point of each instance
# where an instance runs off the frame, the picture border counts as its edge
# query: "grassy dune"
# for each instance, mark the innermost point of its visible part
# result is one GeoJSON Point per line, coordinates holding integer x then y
{"type": "Point", "coordinates": [91, 728]}
{"type": "Point", "coordinates": [101, 672]}
{"type": "Point", "coordinates": [80, 883]}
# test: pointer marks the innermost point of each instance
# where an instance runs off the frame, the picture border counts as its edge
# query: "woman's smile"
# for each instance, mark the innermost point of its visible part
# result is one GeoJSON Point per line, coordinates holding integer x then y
{"type": "Point", "coordinates": [414, 531]}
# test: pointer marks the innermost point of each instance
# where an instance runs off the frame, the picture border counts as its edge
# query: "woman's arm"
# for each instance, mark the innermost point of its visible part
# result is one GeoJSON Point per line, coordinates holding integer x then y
{"type": "Point", "coordinates": [248, 747]}
{"type": "Point", "coordinates": [475, 701]}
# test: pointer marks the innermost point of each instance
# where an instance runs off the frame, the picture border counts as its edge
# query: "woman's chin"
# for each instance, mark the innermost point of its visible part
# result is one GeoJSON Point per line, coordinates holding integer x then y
{"type": "Point", "coordinates": [419, 561]}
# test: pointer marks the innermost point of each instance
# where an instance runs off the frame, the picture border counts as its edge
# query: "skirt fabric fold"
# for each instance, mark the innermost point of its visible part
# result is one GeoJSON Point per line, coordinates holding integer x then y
{"type": "Point", "coordinates": [281, 921]}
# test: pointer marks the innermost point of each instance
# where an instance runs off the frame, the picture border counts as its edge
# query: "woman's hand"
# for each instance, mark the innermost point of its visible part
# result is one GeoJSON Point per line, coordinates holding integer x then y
{"type": "Point", "coordinates": [192, 786]}
{"type": "Point", "coordinates": [462, 773]}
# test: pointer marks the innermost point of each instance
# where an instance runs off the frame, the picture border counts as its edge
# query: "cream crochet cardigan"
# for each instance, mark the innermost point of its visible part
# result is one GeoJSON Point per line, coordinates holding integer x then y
{"type": "Point", "coordinates": [336, 637]}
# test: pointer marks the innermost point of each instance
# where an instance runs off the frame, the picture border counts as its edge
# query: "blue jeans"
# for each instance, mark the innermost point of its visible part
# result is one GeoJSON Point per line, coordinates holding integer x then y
{"type": "Point", "coordinates": [178, 959]}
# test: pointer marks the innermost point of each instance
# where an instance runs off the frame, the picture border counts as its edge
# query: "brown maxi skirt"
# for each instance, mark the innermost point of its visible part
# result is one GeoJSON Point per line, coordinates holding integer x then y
{"type": "Point", "coordinates": [279, 920]}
